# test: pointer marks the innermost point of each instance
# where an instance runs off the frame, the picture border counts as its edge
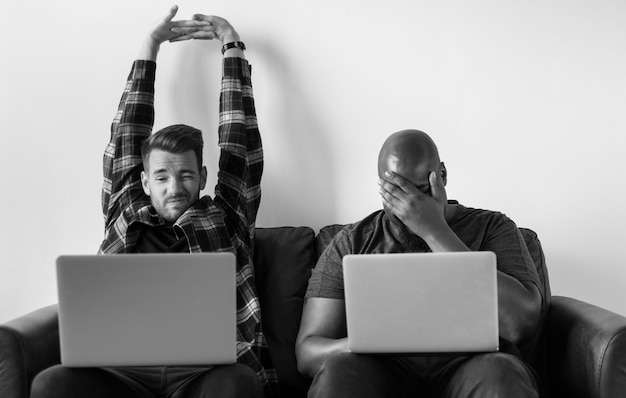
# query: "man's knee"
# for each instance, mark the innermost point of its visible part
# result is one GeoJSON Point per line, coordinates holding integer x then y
{"type": "Point", "coordinates": [227, 381]}
{"type": "Point", "coordinates": [344, 366]}
{"type": "Point", "coordinates": [348, 374]}
{"type": "Point", "coordinates": [499, 366]}
{"type": "Point", "coordinates": [60, 381]}
{"type": "Point", "coordinates": [497, 375]}
{"type": "Point", "coordinates": [239, 377]}
{"type": "Point", "coordinates": [56, 381]}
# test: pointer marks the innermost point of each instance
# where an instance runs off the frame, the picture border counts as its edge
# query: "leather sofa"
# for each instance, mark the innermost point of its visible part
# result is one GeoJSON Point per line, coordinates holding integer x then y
{"type": "Point", "coordinates": [584, 352]}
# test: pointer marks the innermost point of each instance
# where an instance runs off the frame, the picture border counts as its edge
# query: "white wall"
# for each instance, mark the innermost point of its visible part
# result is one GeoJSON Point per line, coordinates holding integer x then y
{"type": "Point", "coordinates": [525, 99]}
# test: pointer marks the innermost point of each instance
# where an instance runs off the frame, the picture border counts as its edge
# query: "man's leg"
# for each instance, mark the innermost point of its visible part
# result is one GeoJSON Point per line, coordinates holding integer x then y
{"type": "Point", "coordinates": [489, 375]}
{"type": "Point", "coordinates": [232, 381]}
{"type": "Point", "coordinates": [350, 375]}
{"type": "Point", "coordinates": [62, 382]}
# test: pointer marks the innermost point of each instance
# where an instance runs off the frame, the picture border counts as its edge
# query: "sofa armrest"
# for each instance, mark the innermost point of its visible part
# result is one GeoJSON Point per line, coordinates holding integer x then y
{"type": "Point", "coordinates": [28, 345]}
{"type": "Point", "coordinates": [586, 350]}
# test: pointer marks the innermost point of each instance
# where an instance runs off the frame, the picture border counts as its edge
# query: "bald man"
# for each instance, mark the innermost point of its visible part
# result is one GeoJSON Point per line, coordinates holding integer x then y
{"type": "Point", "coordinates": [417, 217]}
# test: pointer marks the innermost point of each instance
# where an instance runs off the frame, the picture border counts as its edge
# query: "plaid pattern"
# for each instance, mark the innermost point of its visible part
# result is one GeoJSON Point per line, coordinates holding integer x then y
{"type": "Point", "coordinates": [225, 223]}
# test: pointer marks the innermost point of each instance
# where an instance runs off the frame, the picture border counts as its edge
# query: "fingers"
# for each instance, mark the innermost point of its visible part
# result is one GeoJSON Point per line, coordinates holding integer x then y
{"type": "Point", "coordinates": [186, 26]}
{"type": "Point", "coordinates": [171, 14]}
{"type": "Point", "coordinates": [392, 182]}
{"type": "Point", "coordinates": [202, 17]}
{"type": "Point", "coordinates": [397, 191]}
{"type": "Point", "coordinates": [386, 195]}
{"type": "Point", "coordinates": [196, 30]}
{"type": "Point", "coordinates": [391, 189]}
{"type": "Point", "coordinates": [179, 38]}
{"type": "Point", "coordinates": [223, 29]}
{"type": "Point", "coordinates": [195, 36]}
{"type": "Point", "coordinates": [437, 187]}
{"type": "Point", "coordinates": [192, 29]}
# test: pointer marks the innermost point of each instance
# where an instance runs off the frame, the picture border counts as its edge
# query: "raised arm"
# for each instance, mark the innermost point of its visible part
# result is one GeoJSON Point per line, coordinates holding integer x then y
{"type": "Point", "coordinates": [238, 188]}
{"type": "Point", "coordinates": [134, 120]}
{"type": "Point", "coordinates": [241, 156]}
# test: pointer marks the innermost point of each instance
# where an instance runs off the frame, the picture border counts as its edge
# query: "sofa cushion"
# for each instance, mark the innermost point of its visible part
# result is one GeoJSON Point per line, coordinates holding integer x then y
{"type": "Point", "coordinates": [283, 259]}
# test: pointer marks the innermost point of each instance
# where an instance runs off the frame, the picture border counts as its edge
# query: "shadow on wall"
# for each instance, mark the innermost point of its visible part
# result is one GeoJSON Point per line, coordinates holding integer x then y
{"type": "Point", "coordinates": [297, 186]}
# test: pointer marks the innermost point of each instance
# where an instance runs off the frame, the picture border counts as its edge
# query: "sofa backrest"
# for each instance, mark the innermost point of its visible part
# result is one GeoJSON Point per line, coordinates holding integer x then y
{"type": "Point", "coordinates": [283, 259]}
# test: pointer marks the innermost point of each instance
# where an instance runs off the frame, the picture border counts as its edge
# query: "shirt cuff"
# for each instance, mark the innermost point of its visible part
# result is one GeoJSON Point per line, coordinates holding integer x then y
{"type": "Point", "coordinates": [143, 69]}
{"type": "Point", "coordinates": [235, 67]}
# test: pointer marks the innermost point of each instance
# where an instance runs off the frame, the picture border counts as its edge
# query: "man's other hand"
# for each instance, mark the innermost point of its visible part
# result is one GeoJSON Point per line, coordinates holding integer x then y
{"type": "Point", "coordinates": [165, 29]}
{"type": "Point", "coordinates": [421, 212]}
{"type": "Point", "coordinates": [209, 27]}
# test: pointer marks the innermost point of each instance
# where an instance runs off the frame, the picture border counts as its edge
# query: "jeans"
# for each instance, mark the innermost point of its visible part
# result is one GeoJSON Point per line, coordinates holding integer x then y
{"type": "Point", "coordinates": [147, 382]}
{"type": "Point", "coordinates": [484, 375]}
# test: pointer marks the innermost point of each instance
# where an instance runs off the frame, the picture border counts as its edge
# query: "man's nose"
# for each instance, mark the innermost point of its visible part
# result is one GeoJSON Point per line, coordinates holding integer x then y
{"type": "Point", "coordinates": [175, 185]}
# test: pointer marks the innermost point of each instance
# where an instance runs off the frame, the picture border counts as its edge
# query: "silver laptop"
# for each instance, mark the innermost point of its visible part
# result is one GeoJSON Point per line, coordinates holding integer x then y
{"type": "Point", "coordinates": [147, 309]}
{"type": "Point", "coordinates": [421, 303]}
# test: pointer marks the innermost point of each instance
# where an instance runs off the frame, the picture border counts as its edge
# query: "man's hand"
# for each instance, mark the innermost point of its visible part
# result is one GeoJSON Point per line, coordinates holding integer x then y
{"type": "Point", "coordinates": [212, 27]}
{"type": "Point", "coordinates": [165, 29]}
{"type": "Point", "coordinates": [423, 214]}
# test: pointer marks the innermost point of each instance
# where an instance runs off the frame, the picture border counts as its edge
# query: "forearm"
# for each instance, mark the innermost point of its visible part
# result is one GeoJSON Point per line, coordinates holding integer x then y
{"type": "Point", "coordinates": [445, 240]}
{"type": "Point", "coordinates": [241, 158]}
{"type": "Point", "coordinates": [135, 114]}
{"type": "Point", "coordinates": [149, 49]}
{"type": "Point", "coordinates": [313, 351]}
{"type": "Point", "coordinates": [519, 308]}
{"type": "Point", "coordinates": [131, 126]}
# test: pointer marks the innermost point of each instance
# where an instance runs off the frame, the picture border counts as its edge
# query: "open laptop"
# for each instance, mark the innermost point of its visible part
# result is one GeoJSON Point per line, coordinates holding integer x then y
{"type": "Point", "coordinates": [147, 309]}
{"type": "Point", "coordinates": [421, 303]}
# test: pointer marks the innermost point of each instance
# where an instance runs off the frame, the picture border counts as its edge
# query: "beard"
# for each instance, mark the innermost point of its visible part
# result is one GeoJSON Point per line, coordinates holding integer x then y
{"type": "Point", "coordinates": [168, 213]}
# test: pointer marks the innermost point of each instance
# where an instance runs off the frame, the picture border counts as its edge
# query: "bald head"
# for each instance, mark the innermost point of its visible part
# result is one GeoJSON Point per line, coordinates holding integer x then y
{"type": "Point", "coordinates": [411, 154]}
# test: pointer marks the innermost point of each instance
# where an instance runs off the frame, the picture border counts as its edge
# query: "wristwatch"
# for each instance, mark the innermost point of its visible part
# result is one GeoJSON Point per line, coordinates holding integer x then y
{"type": "Point", "coordinates": [233, 44]}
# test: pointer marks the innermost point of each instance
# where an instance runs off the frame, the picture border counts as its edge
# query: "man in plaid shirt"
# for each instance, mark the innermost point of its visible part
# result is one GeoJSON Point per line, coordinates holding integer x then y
{"type": "Point", "coordinates": [151, 203]}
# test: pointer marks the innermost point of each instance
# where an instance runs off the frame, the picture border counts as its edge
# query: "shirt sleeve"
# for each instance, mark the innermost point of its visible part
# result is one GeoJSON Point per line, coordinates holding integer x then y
{"type": "Point", "coordinates": [238, 187]}
{"type": "Point", "coordinates": [327, 277]}
{"type": "Point", "coordinates": [506, 241]}
{"type": "Point", "coordinates": [131, 126]}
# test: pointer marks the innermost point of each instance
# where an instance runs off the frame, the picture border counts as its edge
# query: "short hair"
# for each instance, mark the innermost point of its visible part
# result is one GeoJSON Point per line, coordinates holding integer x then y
{"type": "Point", "coordinates": [177, 138]}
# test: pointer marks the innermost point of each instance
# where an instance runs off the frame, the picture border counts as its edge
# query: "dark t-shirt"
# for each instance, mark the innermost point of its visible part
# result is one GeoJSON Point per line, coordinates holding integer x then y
{"type": "Point", "coordinates": [160, 239]}
{"type": "Point", "coordinates": [480, 230]}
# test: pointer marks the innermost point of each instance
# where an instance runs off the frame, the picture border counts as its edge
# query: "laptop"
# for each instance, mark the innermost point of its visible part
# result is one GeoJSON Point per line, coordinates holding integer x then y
{"type": "Point", "coordinates": [421, 303]}
{"type": "Point", "coordinates": [147, 309]}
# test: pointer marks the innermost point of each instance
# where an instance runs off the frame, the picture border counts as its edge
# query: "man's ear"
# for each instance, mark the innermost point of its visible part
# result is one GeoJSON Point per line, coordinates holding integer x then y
{"type": "Point", "coordinates": [444, 174]}
{"type": "Point", "coordinates": [203, 174]}
{"type": "Point", "coordinates": [144, 183]}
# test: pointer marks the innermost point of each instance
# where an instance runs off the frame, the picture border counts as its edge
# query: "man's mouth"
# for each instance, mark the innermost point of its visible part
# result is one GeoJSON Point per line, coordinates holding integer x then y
{"type": "Point", "coordinates": [177, 200]}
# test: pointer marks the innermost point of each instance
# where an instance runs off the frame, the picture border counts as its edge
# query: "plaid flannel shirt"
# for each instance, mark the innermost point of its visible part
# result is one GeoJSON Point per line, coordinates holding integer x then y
{"type": "Point", "coordinates": [225, 223]}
